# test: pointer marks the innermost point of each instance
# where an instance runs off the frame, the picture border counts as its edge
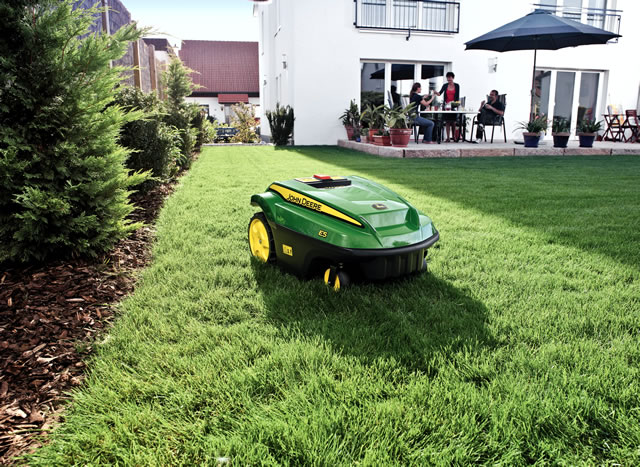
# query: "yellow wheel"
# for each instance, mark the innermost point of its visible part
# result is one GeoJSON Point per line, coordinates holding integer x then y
{"type": "Point", "coordinates": [260, 238]}
{"type": "Point", "coordinates": [336, 279]}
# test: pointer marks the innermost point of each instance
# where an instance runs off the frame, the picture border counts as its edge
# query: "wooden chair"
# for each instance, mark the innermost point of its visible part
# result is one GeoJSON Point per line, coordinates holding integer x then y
{"type": "Point", "coordinates": [632, 124]}
{"type": "Point", "coordinates": [498, 121]}
{"type": "Point", "coordinates": [613, 130]}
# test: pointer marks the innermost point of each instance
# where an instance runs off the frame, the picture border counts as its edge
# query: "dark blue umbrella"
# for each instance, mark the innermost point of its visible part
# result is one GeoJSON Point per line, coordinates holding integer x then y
{"type": "Point", "coordinates": [540, 30]}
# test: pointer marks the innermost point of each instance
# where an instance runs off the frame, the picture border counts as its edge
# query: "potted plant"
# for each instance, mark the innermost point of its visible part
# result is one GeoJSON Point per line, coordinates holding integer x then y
{"type": "Point", "coordinates": [350, 118]}
{"type": "Point", "coordinates": [398, 120]}
{"type": "Point", "coordinates": [587, 131]}
{"type": "Point", "coordinates": [560, 130]}
{"type": "Point", "coordinates": [374, 118]}
{"type": "Point", "coordinates": [532, 130]}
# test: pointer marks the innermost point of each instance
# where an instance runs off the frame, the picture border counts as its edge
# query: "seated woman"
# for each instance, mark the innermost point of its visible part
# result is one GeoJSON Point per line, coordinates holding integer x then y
{"type": "Point", "coordinates": [426, 125]}
{"type": "Point", "coordinates": [451, 93]}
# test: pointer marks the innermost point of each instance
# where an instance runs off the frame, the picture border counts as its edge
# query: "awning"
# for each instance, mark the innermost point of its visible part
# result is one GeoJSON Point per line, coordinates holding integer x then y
{"type": "Point", "coordinates": [233, 98]}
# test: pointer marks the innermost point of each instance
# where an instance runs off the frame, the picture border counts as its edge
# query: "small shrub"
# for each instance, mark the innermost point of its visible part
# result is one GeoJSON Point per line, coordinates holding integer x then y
{"type": "Point", "coordinates": [244, 120]}
{"type": "Point", "coordinates": [281, 124]}
{"type": "Point", "coordinates": [154, 144]}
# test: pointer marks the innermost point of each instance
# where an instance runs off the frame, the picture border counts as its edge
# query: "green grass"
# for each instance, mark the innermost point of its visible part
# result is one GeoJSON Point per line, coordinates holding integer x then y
{"type": "Point", "coordinates": [521, 345]}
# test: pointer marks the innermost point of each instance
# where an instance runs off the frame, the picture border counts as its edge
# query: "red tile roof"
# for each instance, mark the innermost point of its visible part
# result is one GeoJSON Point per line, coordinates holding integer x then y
{"type": "Point", "coordinates": [233, 98]}
{"type": "Point", "coordinates": [224, 67]}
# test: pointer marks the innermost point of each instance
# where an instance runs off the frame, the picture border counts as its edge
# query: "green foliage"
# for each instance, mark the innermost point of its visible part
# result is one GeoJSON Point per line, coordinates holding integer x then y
{"type": "Point", "coordinates": [351, 115]}
{"type": "Point", "coordinates": [153, 143]}
{"type": "Point", "coordinates": [399, 117]}
{"type": "Point", "coordinates": [371, 98]}
{"type": "Point", "coordinates": [209, 131]}
{"type": "Point", "coordinates": [244, 120]}
{"type": "Point", "coordinates": [560, 125]}
{"type": "Point", "coordinates": [281, 123]}
{"type": "Point", "coordinates": [536, 125]}
{"type": "Point", "coordinates": [374, 117]}
{"type": "Point", "coordinates": [179, 114]}
{"type": "Point", "coordinates": [589, 126]}
{"type": "Point", "coordinates": [64, 187]}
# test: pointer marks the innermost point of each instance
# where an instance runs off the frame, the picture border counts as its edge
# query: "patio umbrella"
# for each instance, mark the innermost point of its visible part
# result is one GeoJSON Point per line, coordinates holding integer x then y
{"type": "Point", "coordinates": [540, 30]}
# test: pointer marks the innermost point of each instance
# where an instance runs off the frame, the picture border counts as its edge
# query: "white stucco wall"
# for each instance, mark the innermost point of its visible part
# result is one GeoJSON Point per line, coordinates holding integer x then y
{"type": "Point", "coordinates": [324, 50]}
{"type": "Point", "coordinates": [216, 110]}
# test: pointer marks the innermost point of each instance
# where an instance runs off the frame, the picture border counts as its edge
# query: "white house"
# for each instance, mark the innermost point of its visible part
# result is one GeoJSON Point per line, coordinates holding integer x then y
{"type": "Point", "coordinates": [317, 55]}
{"type": "Point", "coordinates": [226, 73]}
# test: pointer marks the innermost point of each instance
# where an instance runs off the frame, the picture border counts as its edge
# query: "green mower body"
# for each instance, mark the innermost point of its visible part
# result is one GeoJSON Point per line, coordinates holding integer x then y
{"type": "Point", "coordinates": [348, 224]}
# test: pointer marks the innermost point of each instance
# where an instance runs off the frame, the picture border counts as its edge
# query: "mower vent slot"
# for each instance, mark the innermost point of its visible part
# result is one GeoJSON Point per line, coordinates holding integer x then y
{"type": "Point", "coordinates": [329, 183]}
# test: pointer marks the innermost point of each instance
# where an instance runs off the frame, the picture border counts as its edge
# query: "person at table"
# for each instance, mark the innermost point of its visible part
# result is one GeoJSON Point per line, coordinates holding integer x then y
{"type": "Point", "coordinates": [451, 93]}
{"type": "Point", "coordinates": [395, 97]}
{"type": "Point", "coordinates": [426, 125]}
{"type": "Point", "coordinates": [489, 112]}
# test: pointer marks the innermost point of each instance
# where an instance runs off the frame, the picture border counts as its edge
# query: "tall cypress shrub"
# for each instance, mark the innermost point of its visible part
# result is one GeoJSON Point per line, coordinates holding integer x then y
{"type": "Point", "coordinates": [179, 114]}
{"type": "Point", "coordinates": [63, 183]}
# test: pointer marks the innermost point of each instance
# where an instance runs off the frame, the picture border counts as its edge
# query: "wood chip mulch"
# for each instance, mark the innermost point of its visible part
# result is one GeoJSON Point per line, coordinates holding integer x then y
{"type": "Point", "coordinates": [49, 317]}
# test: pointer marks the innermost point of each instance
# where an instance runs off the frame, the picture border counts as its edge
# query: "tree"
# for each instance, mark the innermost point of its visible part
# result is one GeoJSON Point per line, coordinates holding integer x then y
{"type": "Point", "coordinates": [180, 115]}
{"type": "Point", "coordinates": [63, 183]}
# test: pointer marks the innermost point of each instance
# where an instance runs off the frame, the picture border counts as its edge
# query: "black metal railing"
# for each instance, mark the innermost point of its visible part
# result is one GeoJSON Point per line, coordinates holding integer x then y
{"type": "Point", "coordinates": [408, 15]}
{"type": "Point", "coordinates": [602, 18]}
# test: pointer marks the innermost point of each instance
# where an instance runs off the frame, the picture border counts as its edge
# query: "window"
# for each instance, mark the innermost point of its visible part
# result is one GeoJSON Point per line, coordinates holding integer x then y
{"type": "Point", "coordinates": [403, 75]}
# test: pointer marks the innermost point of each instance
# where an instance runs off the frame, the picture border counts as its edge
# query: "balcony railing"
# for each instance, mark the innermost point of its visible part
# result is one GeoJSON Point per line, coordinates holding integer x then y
{"type": "Point", "coordinates": [602, 18]}
{"type": "Point", "coordinates": [408, 15]}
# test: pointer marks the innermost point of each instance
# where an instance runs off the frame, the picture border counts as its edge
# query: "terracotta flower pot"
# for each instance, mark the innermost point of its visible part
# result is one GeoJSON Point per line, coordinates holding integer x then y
{"type": "Point", "coordinates": [372, 133]}
{"type": "Point", "coordinates": [349, 132]}
{"type": "Point", "coordinates": [560, 140]}
{"type": "Point", "coordinates": [531, 140]}
{"type": "Point", "coordinates": [386, 140]}
{"type": "Point", "coordinates": [377, 140]}
{"type": "Point", "coordinates": [586, 139]}
{"type": "Point", "coordinates": [400, 137]}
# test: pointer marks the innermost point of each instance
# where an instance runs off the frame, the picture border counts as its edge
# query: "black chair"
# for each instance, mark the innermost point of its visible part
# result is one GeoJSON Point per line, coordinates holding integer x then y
{"type": "Point", "coordinates": [497, 121]}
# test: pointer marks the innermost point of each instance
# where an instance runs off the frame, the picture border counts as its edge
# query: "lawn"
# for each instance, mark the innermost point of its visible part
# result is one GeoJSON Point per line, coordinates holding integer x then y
{"type": "Point", "coordinates": [521, 344]}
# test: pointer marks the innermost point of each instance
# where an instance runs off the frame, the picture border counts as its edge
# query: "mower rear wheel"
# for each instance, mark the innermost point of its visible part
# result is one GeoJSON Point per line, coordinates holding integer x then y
{"type": "Point", "coordinates": [261, 239]}
{"type": "Point", "coordinates": [336, 279]}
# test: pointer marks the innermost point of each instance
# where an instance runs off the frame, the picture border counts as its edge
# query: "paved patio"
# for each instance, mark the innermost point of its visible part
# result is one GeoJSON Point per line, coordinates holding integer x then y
{"type": "Point", "coordinates": [497, 149]}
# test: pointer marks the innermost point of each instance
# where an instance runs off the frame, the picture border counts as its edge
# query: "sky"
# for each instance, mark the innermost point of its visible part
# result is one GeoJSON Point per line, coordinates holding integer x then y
{"type": "Point", "coordinates": [219, 20]}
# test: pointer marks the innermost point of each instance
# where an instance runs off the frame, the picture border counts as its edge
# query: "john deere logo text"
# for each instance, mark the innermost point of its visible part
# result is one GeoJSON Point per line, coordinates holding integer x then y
{"type": "Point", "coordinates": [302, 201]}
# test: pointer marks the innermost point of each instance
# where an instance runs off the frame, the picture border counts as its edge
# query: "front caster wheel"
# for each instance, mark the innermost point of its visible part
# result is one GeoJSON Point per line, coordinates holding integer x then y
{"type": "Point", "coordinates": [336, 279]}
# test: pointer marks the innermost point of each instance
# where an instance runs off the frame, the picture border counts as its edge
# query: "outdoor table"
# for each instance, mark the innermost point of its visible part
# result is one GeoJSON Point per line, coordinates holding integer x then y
{"type": "Point", "coordinates": [460, 114]}
{"type": "Point", "coordinates": [613, 128]}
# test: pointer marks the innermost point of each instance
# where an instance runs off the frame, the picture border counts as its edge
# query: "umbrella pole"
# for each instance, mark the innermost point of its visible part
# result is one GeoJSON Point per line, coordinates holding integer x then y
{"type": "Point", "coordinates": [533, 84]}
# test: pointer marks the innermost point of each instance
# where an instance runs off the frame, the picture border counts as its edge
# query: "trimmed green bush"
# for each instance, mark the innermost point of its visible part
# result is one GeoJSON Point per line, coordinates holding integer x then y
{"type": "Point", "coordinates": [64, 188]}
{"type": "Point", "coordinates": [281, 124]}
{"type": "Point", "coordinates": [154, 144]}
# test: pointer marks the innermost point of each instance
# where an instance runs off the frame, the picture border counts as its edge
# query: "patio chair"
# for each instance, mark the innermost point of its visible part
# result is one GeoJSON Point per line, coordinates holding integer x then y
{"type": "Point", "coordinates": [498, 121]}
{"type": "Point", "coordinates": [632, 124]}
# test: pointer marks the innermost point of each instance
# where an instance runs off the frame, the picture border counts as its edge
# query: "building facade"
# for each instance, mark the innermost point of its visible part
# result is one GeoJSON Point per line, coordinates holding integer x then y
{"type": "Point", "coordinates": [226, 73]}
{"type": "Point", "coordinates": [318, 55]}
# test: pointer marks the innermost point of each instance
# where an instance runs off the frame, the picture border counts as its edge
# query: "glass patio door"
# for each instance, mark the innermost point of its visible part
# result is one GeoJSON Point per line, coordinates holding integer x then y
{"type": "Point", "coordinates": [576, 95]}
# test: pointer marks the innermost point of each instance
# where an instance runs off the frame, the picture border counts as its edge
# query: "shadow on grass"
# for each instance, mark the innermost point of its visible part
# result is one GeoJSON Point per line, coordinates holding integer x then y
{"type": "Point", "coordinates": [414, 321]}
{"type": "Point", "coordinates": [586, 202]}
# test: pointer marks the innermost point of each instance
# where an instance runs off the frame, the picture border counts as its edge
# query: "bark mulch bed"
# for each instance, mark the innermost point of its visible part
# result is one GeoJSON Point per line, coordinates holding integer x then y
{"type": "Point", "coordinates": [49, 317]}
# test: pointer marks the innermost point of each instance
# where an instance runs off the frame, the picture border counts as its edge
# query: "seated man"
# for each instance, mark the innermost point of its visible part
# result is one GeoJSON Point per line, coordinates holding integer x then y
{"type": "Point", "coordinates": [489, 111]}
